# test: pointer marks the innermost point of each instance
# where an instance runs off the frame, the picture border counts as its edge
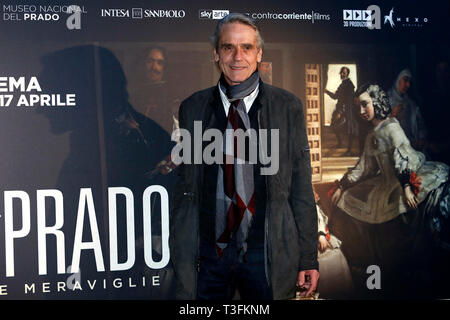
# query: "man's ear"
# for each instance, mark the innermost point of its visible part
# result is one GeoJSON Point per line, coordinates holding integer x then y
{"type": "Point", "coordinates": [259, 55]}
{"type": "Point", "coordinates": [216, 55]}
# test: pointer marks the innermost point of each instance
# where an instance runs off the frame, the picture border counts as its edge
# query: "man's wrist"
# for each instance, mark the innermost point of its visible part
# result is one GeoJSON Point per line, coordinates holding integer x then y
{"type": "Point", "coordinates": [309, 266]}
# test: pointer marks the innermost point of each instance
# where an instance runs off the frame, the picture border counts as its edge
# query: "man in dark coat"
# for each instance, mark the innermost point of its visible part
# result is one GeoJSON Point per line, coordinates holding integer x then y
{"type": "Point", "coordinates": [234, 228]}
{"type": "Point", "coordinates": [344, 111]}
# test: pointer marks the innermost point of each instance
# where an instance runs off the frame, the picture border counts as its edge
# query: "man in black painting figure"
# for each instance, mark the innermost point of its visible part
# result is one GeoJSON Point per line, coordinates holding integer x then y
{"type": "Point", "coordinates": [152, 95]}
{"type": "Point", "coordinates": [243, 225]}
{"type": "Point", "coordinates": [343, 118]}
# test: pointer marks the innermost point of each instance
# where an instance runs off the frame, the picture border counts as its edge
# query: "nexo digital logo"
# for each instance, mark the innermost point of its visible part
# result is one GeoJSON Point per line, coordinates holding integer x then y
{"type": "Point", "coordinates": [212, 14]}
{"type": "Point", "coordinates": [367, 18]}
{"type": "Point", "coordinates": [404, 21]}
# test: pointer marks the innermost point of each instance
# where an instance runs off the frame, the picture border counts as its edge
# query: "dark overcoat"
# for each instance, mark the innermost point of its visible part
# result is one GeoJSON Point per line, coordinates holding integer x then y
{"type": "Point", "coordinates": [290, 220]}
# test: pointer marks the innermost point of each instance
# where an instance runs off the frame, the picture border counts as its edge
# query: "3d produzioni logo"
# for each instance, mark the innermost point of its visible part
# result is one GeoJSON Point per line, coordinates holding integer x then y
{"type": "Point", "coordinates": [366, 18]}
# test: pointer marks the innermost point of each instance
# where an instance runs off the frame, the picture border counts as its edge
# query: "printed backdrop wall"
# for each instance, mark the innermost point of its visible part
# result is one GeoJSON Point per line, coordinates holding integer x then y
{"type": "Point", "coordinates": [89, 95]}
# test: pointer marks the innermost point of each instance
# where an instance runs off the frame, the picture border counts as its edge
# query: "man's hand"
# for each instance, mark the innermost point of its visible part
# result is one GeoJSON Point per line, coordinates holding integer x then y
{"type": "Point", "coordinates": [307, 281]}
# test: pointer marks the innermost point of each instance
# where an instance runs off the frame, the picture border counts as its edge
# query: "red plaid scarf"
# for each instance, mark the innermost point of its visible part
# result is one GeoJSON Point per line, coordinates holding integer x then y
{"type": "Point", "coordinates": [235, 196]}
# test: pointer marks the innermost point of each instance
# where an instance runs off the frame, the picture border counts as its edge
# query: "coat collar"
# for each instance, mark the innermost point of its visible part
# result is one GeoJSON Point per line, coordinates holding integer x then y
{"type": "Point", "coordinates": [215, 102]}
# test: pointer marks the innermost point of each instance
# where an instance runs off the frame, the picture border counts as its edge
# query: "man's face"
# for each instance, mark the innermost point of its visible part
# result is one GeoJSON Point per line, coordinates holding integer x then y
{"type": "Point", "coordinates": [154, 65]}
{"type": "Point", "coordinates": [238, 55]}
{"type": "Point", "coordinates": [403, 84]}
{"type": "Point", "coordinates": [343, 73]}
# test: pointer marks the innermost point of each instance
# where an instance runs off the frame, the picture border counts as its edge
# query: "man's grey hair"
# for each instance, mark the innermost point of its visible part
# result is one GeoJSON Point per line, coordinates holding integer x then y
{"type": "Point", "coordinates": [239, 18]}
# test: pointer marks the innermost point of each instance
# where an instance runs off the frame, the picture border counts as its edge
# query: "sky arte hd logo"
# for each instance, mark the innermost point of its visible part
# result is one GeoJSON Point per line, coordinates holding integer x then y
{"type": "Point", "coordinates": [212, 14]}
{"type": "Point", "coordinates": [44, 14]}
{"type": "Point", "coordinates": [367, 18]}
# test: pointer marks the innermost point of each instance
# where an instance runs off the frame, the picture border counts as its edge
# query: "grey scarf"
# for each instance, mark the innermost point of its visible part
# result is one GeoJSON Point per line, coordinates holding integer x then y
{"type": "Point", "coordinates": [235, 196]}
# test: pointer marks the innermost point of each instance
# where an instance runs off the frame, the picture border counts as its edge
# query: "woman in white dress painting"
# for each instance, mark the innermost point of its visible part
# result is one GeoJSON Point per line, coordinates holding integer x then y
{"type": "Point", "coordinates": [390, 205]}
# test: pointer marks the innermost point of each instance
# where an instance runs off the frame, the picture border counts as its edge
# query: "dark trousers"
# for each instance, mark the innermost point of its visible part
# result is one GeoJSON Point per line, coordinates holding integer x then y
{"type": "Point", "coordinates": [218, 278]}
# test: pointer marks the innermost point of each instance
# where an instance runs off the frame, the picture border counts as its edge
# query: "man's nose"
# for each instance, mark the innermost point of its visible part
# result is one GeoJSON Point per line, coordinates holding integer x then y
{"type": "Point", "coordinates": [362, 110]}
{"type": "Point", "coordinates": [238, 54]}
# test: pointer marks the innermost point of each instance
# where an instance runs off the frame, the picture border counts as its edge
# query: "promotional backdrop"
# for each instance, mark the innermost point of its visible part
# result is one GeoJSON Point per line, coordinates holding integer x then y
{"type": "Point", "coordinates": [89, 96]}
